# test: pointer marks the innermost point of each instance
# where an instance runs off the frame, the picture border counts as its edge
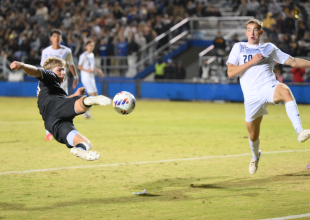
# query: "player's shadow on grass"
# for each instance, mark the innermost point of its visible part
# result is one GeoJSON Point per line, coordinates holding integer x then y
{"type": "Point", "coordinates": [182, 189]}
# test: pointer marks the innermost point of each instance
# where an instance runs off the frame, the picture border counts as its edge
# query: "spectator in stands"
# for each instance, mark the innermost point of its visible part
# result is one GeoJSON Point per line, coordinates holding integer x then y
{"type": "Point", "coordinates": [180, 71]}
{"type": "Point", "coordinates": [117, 11]}
{"type": "Point", "coordinates": [191, 8]}
{"type": "Point", "coordinates": [243, 9]}
{"type": "Point", "coordinates": [304, 13]}
{"type": "Point", "coordinates": [169, 70]}
{"type": "Point", "coordinates": [298, 74]}
{"type": "Point", "coordinates": [217, 13]}
{"type": "Point", "coordinates": [274, 8]}
{"type": "Point", "coordinates": [34, 44]}
{"type": "Point", "coordinates": [42, 13]}
{"type": "Point", "coordinates": [220, 45]}
{"type": "Point", "coordinates": [252, 6]}
{"type": "Point", "coordinates": [268, 22]}
{"type": "Point", "coordinates": [289, 23]}
{"type": "Point", "coordinates": [280, 24]}
{"type": "Point", "coordinates": [279, 76]}
{"type": "Point", "coordinates": [288, 7]}
{"type": "Point", "coordinates": [301, 29]}
{"type": "Point", "coordinates": [273, 35]}
{"type": "Point", "coordinates": [262, 11]}
{"type": "Point", "coordinates": [234, 40]}
{"type": "Point", "coordinates": [33, 59]}
{"type": "Point", "coordinates": [169, 9]}
{"type": "Point", "coordinates": [208, 12]}
{"type": "Point", "coordinates": [304, 45]}
{"type": "Point", "coordinates": [122, 51]}
{"type": "Point", "coordinates": [205, 70]}
{"type": "Point", "coordinates": [160, 69]}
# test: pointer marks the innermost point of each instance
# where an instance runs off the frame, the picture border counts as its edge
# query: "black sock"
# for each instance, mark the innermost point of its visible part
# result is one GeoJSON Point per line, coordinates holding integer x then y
{"type": "Point", "coordinates": [85, 104]}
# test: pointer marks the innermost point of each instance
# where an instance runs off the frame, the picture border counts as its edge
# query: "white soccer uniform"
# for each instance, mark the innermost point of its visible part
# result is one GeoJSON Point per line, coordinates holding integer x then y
{"type": "Point", "coordinates": [258, 83]}
{"type": "Point", "coordinates": [87, 61]}
{"type": "Point", "coordinates": [64, 53]}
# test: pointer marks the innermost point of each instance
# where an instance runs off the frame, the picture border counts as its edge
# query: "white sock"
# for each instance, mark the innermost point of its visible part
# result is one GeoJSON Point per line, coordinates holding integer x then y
{"type": "Point", "coordinates": [88, 112]}
{"type": "Point", "coordinates": [254, 148]}
{"type": "Point", "coordinates": [47, 132]}
{"type": "Point", "coordinates": [293, 114]}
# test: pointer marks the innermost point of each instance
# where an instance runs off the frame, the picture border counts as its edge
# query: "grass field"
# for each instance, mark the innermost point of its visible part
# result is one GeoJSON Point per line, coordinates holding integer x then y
{"type": "Point", "coordinates": [216, 187]}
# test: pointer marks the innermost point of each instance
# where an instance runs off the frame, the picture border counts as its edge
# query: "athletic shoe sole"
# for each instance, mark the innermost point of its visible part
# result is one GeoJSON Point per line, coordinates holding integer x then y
{"type": "Point", "coordinates": [304, 135]}
{"type": "Point", "coordinates": [98, 100]}
{"type": "Point", "coordinates": [85, 155]}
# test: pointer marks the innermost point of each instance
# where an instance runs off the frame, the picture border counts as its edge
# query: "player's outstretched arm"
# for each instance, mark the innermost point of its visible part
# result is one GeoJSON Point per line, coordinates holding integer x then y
{"type": "Point", "coordinates": [298, 63]}
{"type": "Point", "coordinates": [29, 69]}
{"type": "Point", "coordinates": [234, 71]}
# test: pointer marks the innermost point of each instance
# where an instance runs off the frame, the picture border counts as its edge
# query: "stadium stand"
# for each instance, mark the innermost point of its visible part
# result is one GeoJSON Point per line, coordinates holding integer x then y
{"type": "Point", "coordinates": [152, 30]}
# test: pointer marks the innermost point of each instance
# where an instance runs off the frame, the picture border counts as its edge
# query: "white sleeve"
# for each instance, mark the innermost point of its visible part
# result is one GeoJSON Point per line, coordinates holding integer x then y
{"type": "Point", "coordinates": [279, 56]}
{"type": "Point", "coordinates": [69, 58]}
{"type": "Point", "coordinates": [234, 55]}
{"type": "Point", "coordinates": [81, 59]}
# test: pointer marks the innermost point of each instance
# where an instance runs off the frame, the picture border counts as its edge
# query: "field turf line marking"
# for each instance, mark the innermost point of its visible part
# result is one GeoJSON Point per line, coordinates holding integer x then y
{"type": "Point", "coordinates": [289, 217]}
{"type": "Point", "coordinates": [146, 162]}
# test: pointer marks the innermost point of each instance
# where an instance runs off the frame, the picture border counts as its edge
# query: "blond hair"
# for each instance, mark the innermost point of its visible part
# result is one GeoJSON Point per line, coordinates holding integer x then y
{"type": "Point", "coordinates": [53, 62]}
{"type": "Point", "coordinates": [255, 21]}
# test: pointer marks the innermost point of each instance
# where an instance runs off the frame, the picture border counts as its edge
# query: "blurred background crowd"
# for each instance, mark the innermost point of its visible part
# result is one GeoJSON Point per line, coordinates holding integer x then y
{"type": "Point", "coordinates": [120, 28]}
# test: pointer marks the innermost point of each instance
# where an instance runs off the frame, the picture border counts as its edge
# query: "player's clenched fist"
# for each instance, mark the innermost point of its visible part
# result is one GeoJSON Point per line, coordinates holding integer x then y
{"type": "Point", "coordinates": [16, 65]}
{"type": "Point", "coordinates": [256, 58]}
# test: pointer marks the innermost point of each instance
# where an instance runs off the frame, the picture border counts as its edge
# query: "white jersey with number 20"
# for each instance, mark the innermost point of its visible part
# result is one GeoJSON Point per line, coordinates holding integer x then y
{"type": "Point", "coordinates": [261, 74]}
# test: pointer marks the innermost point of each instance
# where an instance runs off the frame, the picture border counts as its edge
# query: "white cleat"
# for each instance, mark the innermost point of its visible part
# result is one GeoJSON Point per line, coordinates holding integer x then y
{"type": "Point", "coordinates": [98, 100]}
{"type": "Point", "coordinates": [85, 155]}
{"type": "Point", "coordinates": [254, 164]}
{"type": "Point", "coordinates": [303, 135]}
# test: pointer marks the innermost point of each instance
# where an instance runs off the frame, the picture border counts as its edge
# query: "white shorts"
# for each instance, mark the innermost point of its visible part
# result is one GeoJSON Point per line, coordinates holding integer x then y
{"type": "Point", "coordinates": [257, 106]}
{"type": "Point", "coordinates": [90, 84]}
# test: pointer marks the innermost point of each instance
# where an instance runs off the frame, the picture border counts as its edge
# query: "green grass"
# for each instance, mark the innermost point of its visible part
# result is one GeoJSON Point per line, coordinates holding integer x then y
{"type": "Point", "coordinates": [214, 188]}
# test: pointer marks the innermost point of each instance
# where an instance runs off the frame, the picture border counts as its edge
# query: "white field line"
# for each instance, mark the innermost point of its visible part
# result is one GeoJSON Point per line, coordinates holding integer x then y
{"type": "Point", "coordinates": [289, 217]}
{"type": "Point", "coordinates": [147, 162]}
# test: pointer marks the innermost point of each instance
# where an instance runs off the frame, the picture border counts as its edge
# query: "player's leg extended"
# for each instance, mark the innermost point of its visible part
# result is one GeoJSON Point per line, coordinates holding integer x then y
{"type": "Point", "coordinates": [82, 146]}
{"type": "Point", "coordinates": [283, 93]}
{"type": "Point", "coordinates": [87, 113]}
{"type": "Point", "coordinates": [84, 103]}
{"type": "Point", "coordinates": [253, 128]}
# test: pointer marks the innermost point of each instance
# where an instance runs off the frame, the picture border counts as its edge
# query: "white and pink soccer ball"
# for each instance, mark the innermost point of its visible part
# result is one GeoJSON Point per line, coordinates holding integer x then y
{"type": "Point", "coordinates": [124, 102]}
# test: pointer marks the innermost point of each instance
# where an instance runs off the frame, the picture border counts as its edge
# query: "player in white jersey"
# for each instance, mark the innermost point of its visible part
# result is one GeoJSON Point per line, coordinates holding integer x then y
{"type": "Point", "coordinates": [253, 63]}
{"type": "Point", "coordinates": [88, 69]}
{"type": "Point", "coordinates": [60, 51]}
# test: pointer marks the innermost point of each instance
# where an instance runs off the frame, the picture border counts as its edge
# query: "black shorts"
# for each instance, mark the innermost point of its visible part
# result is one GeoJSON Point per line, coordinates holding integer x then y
{"type": "Point", "coordinates": [58, 115]}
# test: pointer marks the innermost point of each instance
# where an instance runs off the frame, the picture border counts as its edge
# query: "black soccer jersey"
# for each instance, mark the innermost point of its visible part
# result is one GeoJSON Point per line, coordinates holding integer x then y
{"type": "Point", "coordinates": [49, 85]}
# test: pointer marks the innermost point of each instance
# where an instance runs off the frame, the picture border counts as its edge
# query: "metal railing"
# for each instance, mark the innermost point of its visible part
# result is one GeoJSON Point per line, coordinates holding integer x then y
{"type": "Point", "coordinates": [4, 68]}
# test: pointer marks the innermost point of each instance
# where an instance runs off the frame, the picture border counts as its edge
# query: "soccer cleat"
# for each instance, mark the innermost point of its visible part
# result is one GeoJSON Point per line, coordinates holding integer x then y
{"type": "Point", "coordinates": [49, 137]}
{"type": "Point", "coordinates": [97, 100]}
{"type": "Point", "coordinates": [254, 164]}
{"type": "Point", "coordinates": [303, 135]}
{"type": "Point", "coordinates": [85, 155]}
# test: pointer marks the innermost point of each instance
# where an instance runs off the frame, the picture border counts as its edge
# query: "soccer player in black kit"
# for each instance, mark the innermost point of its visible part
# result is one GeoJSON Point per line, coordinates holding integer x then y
{"type": "Point", "coordinates": [58, 109]}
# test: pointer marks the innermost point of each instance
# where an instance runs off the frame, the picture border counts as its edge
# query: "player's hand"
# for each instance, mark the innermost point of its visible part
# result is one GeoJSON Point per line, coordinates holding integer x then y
{"type": "Point", "coordinates": [100, 73]}
{"type": "Point", "coordinates": [89, 71]}
{"type": "Point", "coordinates": [75, 82]}
{"type": "Point", "coordinates": [16, 65]}
{"type": "Point", "coordinates": [80, 91]}
{"type": "Point", "coordinates": [256, 58]}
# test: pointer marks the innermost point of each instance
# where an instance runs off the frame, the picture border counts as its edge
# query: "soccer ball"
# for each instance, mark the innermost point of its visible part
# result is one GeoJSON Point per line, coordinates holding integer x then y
{"type": "Point", "coordinates": [124, 103]}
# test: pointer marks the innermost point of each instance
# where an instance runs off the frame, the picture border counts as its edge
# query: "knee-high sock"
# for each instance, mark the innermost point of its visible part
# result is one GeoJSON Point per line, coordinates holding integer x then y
{"type": "Point", "coordinates": [254, 148]}
{"type": "Point", "coordinates": [293, 114]}
{"type": "Point", "coordinates": [47, 132]}
{"type": "Point", "coordinates": [87, 113]}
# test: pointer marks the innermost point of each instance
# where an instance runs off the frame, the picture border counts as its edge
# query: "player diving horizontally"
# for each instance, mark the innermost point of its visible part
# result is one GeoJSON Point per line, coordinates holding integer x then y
{"type": "Point", "coordinates": [58, 109]}
{"type": "Point", "coordinates": [253, 63]}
